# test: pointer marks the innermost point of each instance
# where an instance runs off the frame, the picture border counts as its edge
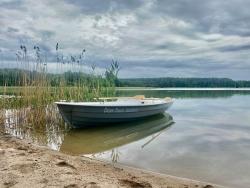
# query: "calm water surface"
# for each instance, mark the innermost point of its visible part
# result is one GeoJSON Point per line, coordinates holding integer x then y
{"type": "Point", "coordinates": [208, 141]}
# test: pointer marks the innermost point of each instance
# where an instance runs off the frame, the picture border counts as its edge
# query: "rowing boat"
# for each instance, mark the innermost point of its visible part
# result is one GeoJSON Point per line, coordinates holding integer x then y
{"type": "Point", "coordinates": [111, 110]}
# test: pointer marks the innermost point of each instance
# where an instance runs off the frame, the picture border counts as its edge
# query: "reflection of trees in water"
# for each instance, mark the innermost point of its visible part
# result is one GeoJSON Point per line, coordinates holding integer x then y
{"type": "Point", "coordinates": [42, 125]}
{"type": "Point", "coordinates": [183, 93]}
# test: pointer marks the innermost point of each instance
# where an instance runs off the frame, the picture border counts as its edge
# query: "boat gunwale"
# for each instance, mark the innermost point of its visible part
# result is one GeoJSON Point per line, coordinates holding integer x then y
{"type": "Point", "coordinates": [105, 104]}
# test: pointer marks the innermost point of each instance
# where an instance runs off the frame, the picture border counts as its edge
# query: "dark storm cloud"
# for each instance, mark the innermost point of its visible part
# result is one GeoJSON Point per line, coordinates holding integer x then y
{"type": "Point", "coordinates": [227, 17]}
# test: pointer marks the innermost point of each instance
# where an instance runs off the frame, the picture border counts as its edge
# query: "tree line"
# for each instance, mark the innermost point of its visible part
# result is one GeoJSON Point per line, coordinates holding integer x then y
{"type": "Point", "coordinates": [15, 77]}
{"type": "Point", "coordinates": [183, 82]}
{"type": "Point", "coordinates": [12, 77]}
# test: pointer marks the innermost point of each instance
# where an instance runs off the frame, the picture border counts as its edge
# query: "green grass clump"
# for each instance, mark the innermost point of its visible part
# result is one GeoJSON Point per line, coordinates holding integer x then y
{"type": "Point", "coordinates": [33, 88]}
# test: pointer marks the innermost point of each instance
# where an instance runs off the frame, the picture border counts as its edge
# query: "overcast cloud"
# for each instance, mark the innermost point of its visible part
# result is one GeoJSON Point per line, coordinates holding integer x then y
{"type": "Point", "coordinates": [150, 38]}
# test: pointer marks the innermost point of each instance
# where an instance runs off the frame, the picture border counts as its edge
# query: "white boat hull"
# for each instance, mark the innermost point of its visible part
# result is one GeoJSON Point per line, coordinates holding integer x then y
{"type": "Point", "coordinates": [84, 114]}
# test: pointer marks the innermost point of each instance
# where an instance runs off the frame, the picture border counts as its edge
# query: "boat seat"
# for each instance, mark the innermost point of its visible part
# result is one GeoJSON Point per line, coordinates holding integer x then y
{"type": "Point", "coordinates": [139, 97]}
{"type": "Point", "coordinates": [168, 99]}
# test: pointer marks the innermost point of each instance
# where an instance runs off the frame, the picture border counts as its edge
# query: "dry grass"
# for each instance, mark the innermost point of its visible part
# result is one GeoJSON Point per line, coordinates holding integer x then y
{"type": "Point", "coordinates": [1, 121]}
{"type": "Point", "coordinates": [34, 95]}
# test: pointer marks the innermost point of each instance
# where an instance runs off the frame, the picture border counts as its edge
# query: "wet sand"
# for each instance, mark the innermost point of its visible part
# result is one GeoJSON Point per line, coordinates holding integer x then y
{"type": "Point", "coordinates": [23, 164]}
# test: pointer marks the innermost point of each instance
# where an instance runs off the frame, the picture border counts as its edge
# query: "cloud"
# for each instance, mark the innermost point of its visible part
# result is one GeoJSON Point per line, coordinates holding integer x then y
{"type": "Point", "coordinates": [210, 16]}
{"type": "Point", "coordinates": [99, 6]}
{"type": "Point", "coordinates": [11, 4]}
{"type": "Point", "coordinates": [11, 29]}
{"type": "Point", "coordinates": [185, 37]}
{"type": "Point", "coordinates": [235, 48]}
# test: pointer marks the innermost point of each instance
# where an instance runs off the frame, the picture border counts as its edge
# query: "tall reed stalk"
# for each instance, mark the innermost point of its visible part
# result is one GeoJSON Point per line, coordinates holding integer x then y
{"type": "Point", "coordinates": [36, 88]}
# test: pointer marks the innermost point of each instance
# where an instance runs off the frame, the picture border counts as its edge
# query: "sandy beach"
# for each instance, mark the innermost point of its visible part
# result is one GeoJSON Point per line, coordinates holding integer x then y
{"type": "Point", "coordinates": [23, 164]}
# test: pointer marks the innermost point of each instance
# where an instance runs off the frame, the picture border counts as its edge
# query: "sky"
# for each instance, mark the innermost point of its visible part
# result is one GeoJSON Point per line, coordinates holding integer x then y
{"type": "Point", "coordinates": [149, 38]}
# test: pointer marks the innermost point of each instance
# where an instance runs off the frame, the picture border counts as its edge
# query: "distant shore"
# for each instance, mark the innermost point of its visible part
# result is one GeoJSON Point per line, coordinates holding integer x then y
{"type": "Point", "coordinates": [23, 164]}
{"type": "Point", "coordinates": [184, 88]}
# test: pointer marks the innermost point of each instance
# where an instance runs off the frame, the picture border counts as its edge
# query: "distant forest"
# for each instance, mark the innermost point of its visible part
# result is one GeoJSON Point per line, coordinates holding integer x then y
{"type": "Point", "coordinates": [183, 82]}
{"type": "Point", "coordinates": [11, 77]}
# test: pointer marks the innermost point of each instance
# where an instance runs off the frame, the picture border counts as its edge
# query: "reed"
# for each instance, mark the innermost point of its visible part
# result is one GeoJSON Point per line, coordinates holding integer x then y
{"type": "Point", "coordinates": [41, 125]}
{"type": "Point", "coordinates": [36, 88]}
{"type": "Point", "coordinates": [1, 118]}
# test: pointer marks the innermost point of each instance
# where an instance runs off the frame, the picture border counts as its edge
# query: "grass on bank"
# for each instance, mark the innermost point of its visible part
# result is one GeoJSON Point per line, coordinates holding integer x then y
{"type": "Point", "coordinates": [35, 85]}
{"type": "Point", "coordinates": [32, 89]}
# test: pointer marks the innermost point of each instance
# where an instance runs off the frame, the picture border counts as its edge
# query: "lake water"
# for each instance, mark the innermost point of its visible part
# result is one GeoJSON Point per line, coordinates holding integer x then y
{"type": "Point", "coordinates": [205, 136]}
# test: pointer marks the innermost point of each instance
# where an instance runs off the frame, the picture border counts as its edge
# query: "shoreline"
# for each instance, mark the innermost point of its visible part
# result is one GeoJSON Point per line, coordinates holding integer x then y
{"type": "Point", "coordinates": [182, 89]}
{"type": "Point", "coordinates": [178, 179]}
{"type": "Point", "coordinates": [23, 164]}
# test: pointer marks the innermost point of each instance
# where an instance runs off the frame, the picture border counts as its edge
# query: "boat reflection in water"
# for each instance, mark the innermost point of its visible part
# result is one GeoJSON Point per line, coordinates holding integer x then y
{"type": "Point", "coordinates": [98, 139]}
